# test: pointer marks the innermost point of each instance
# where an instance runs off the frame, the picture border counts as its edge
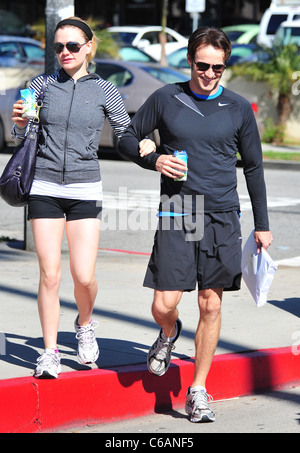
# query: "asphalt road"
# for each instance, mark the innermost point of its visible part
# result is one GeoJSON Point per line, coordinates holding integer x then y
{"type": "Point", "coordinates": [131, 196]}
{"type": "Point", "coordinates": [275, 412]}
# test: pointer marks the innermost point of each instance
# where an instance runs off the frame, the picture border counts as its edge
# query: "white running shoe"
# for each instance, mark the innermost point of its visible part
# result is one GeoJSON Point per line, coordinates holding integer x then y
{"type": "Point", "coordinates": [197, 406]}
{"type": "Point", "coordinates": [88, 351]}
{"type": "Point", "coordinates": [48, 365]}
{"type": "Point", "coordinates": [159, 355]}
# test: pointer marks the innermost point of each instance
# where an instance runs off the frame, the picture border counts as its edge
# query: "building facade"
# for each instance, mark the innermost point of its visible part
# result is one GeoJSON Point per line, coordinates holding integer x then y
{"type": "Point", "coordinates": [148, 12]}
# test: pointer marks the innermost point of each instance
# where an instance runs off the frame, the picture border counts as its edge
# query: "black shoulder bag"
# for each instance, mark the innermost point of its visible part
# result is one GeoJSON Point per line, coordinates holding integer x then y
{"type": "Point", "coordinates": [16, 179]}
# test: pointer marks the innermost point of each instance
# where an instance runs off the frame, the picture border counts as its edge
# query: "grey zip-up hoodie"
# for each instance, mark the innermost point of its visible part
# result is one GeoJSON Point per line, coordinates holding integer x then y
{"type": "Point", "coordinates": [72, 118]}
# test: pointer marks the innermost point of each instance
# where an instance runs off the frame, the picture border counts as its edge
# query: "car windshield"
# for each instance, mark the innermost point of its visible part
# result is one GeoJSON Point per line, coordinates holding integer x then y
{"type": "Point", "coordinates": [114, 73]}
{"type": "Point", "coordinates": [287, 35]}
{"type": "Point", "coordinates": [234, 35]}
{"type": "Point", "coordinates": [34, 51]}
{"type": "Point", "coordinates": [133, 54]}
{"type": "Point", "coordinates": [122, 37]}
{"type": "Point", "coordinates": [178, 58]}
{"type": "Point", "coordinates": [165, 75]}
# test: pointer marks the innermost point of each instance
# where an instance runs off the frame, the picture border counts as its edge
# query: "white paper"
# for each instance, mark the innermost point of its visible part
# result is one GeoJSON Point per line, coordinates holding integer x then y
{"type": "Point", "coordinates": [258, 270]}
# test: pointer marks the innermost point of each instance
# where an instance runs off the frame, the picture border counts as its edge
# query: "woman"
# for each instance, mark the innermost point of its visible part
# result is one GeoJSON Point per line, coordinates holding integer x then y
{"type": "Point", "coordinates": [67, 184]}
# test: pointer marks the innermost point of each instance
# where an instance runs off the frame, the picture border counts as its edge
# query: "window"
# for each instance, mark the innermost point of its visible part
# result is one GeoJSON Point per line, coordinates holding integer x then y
{"type": "Point", "coordinates": [115, 74]}
{"type": "Point", "coordinates": [152, 37]}
{"type": "Point", "coordinates": [170, 38]}
{"type": "Point", "coordinates": [275, 21]}
{"type": "Point", "coordinates": [32, 51]}
{"type": "Point", "coordinates": [122, 37]}
{"type": "Point", "coordinates": [166, 75]}
{"type": "Point", "coordinates": [10, 49]}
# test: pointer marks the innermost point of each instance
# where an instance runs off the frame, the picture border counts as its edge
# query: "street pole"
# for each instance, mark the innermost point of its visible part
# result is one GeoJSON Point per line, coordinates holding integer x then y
{"type": "Point", "coordinates": [55, 11]}
{"type": "Point", "coordinates": [162, 36]}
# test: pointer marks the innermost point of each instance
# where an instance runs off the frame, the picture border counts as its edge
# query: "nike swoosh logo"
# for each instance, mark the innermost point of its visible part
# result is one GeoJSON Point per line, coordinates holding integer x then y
{"type": "Point", "coordinates": [222, 105]}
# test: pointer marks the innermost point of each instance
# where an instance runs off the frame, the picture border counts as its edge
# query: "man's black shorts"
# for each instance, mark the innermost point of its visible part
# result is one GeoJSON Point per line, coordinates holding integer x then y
{"type": "Point", "coordinates": [213, 262]}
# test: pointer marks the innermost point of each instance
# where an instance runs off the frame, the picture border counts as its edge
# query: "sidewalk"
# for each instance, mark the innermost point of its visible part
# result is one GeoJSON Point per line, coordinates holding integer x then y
{"type": "Point", "coordinates": [258, 349]}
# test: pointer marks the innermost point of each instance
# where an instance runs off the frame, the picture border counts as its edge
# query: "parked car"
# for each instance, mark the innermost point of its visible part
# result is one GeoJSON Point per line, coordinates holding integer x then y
{"type": "Point", "coordinates": [10, 24]}
{"type": "Point", "coordinates": [7, 99]}
{"type": "Point", "coordinates": [242, 34]}
{"type": "Point", "coordinates": [21, 51]}
{"type": "Point", "coordinates": [288, 33]}
{"type": "Point", "coordinates": [178, 59]}
{"type": "Point", "coordinates": [241, 51]}
{"type": "Point", "coordinates": [147, 39]}
{"type": "Point", "coordinates": [129, 53]}
{"type": "Point", "coordinates": [135, 81]}
{"type": "Point", "coordinates": [272, 19]}
{"type": "Point", "coordinates": [258, 55]}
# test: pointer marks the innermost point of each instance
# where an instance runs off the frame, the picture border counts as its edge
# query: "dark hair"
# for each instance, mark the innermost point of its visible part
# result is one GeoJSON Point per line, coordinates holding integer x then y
{"type": "Point", "coordinates": [209, 36]}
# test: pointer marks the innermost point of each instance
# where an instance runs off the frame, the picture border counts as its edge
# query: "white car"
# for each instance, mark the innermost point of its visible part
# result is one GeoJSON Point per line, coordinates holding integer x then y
{"type": "Point", "coordinates": [288, 33]}
{"type": "Point", "coordinates": [273, 17]}
{"type": "Point", "coordinates": [147, 39]}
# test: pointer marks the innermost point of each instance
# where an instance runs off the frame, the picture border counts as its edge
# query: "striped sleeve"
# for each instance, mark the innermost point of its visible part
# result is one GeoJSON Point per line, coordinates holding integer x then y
{"type": "Point", "coordinates": [115, 109]}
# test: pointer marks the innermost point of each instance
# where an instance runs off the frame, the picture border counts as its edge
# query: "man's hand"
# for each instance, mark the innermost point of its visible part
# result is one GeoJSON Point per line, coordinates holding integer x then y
{"type": "Point", "coordinates": [263, 239]}
{"type": "Point", "coordinates": [170, 166]}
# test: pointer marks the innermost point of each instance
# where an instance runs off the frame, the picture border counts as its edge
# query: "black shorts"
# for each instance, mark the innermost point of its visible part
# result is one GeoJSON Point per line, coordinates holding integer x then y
{"type": "Point", "coordinates": [213, 261]}
{"type": "Point", "coordinates": [44, 207]}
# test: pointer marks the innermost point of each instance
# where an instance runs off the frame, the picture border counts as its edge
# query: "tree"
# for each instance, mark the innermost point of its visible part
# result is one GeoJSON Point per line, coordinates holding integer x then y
{"type": "Point", "coordinates": [278, 69]}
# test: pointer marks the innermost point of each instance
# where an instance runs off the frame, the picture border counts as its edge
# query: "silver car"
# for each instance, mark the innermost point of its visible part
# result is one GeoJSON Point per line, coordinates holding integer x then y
{"type": "Point", "coordinates": [135, 81]}
{"type": "Point", "coordinates": [20, 51]}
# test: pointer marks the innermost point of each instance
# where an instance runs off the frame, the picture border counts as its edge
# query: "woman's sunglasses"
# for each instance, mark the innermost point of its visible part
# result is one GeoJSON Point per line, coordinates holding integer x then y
{"type": "Point", "coordinates": [73, 47]}
{"type": "Point", "coordinates": [205, 66]}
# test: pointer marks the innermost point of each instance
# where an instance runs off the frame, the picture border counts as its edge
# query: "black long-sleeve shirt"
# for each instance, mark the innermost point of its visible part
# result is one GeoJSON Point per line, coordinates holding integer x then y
{"type": "Point", "coordinates": [212, 132]}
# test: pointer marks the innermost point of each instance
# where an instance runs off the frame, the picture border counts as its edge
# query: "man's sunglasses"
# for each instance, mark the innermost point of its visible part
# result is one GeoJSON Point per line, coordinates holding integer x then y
{"type": "Point", "coordinates": [73, 47]}
{"type": "Point", "coordinates": [205, 66]}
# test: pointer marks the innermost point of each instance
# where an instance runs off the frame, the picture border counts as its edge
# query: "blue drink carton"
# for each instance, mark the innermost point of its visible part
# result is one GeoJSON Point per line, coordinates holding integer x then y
{"type": "Point", "coordinates": [28, 98]}
{"type": "Point", "coordinates": [183, 156]}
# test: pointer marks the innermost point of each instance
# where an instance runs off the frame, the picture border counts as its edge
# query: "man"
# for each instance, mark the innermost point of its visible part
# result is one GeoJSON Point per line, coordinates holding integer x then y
{"type": "Point", "coordinates": [212, 124]}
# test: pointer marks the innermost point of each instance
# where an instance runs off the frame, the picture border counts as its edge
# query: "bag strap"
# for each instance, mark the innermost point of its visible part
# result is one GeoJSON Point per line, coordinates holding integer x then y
{"type": "Point", "coordinates": [40, 99]}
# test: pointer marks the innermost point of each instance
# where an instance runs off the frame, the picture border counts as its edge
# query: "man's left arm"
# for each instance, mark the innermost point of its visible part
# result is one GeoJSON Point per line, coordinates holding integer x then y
{"type": "Point", "coordinates": [251, 154]}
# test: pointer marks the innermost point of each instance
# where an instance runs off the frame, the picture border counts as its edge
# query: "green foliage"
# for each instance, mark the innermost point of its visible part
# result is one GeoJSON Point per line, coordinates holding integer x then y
{"type": "Point", "coordinates": [106, 44]}
{"type": "Point", "coordinates": [273, 133]}
{"type": "Point", "coordinates": [277, 71]}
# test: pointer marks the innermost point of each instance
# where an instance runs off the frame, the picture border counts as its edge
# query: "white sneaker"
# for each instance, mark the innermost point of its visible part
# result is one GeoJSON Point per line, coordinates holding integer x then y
{"type": "Point", "coordinates": [88, 351]}
{"type": "Point", "coordinates": [48, 365]}
{"type": "Point", "coordinates": [159, 355]}
{"type": "Point", "coordinates": [197, 406]}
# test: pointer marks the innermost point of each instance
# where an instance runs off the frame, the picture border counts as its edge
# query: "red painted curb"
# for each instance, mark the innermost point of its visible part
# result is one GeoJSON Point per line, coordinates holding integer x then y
{"type": "Point", "coordinates": [85, 397]}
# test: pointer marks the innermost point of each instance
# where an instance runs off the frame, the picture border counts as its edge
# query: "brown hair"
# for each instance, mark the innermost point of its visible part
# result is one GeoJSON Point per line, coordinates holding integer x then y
{"type": "Point", "coordinates": [94, 39]}
{"type": "Point", "coordinates": [209, 36]}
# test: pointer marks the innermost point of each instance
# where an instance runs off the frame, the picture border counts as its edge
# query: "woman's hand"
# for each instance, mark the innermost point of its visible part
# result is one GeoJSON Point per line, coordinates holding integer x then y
{"type": "Point", "coordinates": [147, 147]}
{"type": "Point", "coordinates": [18, 110]}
